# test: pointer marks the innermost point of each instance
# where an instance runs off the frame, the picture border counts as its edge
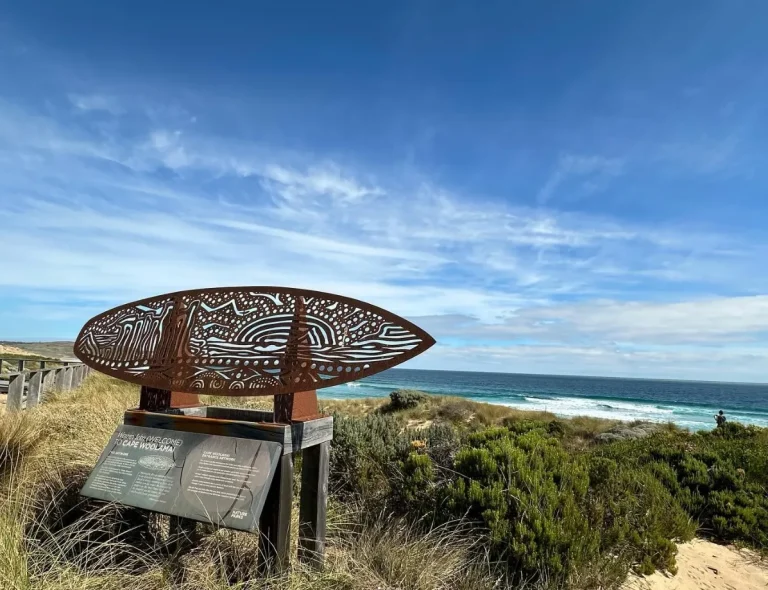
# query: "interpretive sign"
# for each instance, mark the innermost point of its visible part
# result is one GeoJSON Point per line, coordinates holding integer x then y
{"type": "Point", "coordinates": [221, 480]}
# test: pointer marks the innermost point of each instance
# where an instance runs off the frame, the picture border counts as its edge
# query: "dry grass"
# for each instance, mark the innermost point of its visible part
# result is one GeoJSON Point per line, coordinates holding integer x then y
{"type": "Point", "coordinates": [15, 351]}
{"type": "Point", "coordinates": [60, 349]}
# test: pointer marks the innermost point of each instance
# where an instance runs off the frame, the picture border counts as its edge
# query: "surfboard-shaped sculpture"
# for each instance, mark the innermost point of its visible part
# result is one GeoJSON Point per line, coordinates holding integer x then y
{"type": "Point", "coordinates": [246, 341]}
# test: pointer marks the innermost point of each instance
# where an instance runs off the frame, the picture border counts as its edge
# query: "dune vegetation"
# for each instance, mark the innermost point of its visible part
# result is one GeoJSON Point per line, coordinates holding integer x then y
{"type": "Point", "coordinates": [427, 493]}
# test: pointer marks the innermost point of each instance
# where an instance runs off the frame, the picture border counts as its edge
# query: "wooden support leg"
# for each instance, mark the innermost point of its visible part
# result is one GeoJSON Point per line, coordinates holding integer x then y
{"type": "Point", "coordinates": [313, 503]}
{"type": "Point", "coordinates": [275, 522]}
{"type": "Point", "coordinates": [153, 399]}
{"type": "Point", "coordinates": [183, 534]}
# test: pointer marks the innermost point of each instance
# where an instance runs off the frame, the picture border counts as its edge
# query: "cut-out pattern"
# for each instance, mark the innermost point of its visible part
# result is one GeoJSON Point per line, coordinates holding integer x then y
{"type": "Point", "coordinates": [247, 341]}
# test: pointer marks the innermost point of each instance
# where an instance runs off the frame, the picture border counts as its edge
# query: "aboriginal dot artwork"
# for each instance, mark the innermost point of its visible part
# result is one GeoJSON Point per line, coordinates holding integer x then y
{"type": "Point", "coordinates": [247, 341]}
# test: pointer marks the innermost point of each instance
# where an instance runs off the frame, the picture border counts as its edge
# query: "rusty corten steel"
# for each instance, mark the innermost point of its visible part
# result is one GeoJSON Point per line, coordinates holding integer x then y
{"type": "Point", "coordinates": [246, 341]}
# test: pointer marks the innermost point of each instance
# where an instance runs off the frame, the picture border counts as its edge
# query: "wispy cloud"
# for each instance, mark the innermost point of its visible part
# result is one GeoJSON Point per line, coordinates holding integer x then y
{"type": "Point", "coordinates": [591, 173]}
{"type": "Point", "coordinates": [705, 155]}
{"type": "Point", "coordinates": [96, 102]}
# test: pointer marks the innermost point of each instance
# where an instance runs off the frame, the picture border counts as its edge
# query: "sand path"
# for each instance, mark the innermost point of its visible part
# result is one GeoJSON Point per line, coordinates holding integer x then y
{"type": "Point", "coordinates": [707, 566]}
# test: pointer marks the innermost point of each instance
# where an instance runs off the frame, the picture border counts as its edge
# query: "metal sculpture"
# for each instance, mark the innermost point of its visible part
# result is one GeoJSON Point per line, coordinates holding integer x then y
{"type": "Point", "coordinates": [246, 341]}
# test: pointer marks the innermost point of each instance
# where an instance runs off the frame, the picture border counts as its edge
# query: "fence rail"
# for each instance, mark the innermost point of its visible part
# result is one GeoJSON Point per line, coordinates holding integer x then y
{"type": "Point", "coordinates": [27, 389]}
{"type": "Point", "coordinates": [22, 363]}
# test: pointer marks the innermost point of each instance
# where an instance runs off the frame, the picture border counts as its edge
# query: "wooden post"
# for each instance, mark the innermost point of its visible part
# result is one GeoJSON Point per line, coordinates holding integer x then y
{"type": "Point", "coordinates": [49, 382]}
{"type": "Point", "coordinates": [152, 399]}
{"type": "Point", "coordinates": [275, 521]}
{"type": "Point", "coordinates": [15, 392]}
{"type": "Point", "coordinates": [77, 376]}
{"type": "Point", "coordinates": [35, 388]}
{"type": "Point", "coordinates": [63, 379]}
{"type": "Point", "coordinates": [21, 365]}
{"type": "Point", "coordinates": [42, 364]}
{"type": "Point", "coordinates": [183, 534]}
{"type": "Point", "coordinates": [313, 503]}
{"type": "Point", "coordinates": [67, 381]}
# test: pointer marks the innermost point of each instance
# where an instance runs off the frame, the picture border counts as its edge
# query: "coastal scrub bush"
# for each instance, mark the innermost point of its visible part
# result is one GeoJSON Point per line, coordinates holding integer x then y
{"type": "Point", "coordinates": [364, 453]}
{"type": "Point", "coordinates": [548, 512]}
{"type": "Point", "coordinates": [417, 485]}
{"type": "Point", "coordinates": [718, 478]}
{"type": "Point", "coordinates": [370, 454]}
{"type": "Point", "coordinates": [529, 493]}
{"type": "Point", "coordinates": [635, 515]}
{"type": "Point", "coordinates": [404, 399]}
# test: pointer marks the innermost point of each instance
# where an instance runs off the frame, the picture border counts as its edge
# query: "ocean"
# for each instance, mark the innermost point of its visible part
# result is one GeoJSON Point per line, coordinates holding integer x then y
{"type": "Point", "coordinates": [689, 404]}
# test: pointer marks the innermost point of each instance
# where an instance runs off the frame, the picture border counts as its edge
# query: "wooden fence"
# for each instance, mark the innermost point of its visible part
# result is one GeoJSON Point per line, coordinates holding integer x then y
{"type": "Point", "coordinates": [26, 389]}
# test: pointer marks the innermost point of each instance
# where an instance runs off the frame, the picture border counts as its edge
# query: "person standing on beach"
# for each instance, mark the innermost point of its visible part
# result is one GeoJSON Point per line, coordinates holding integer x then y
{"type": "Point", "coordinates": [720, 419]}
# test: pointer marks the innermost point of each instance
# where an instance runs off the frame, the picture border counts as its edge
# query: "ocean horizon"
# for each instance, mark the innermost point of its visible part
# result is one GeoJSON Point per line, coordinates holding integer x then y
{"type": "Point", "coordinates": [689, 404]}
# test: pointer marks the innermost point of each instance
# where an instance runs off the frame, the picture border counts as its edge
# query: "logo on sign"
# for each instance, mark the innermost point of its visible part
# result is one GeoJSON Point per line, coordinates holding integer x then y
{"type": "Point", "coordinates": [156, 462]}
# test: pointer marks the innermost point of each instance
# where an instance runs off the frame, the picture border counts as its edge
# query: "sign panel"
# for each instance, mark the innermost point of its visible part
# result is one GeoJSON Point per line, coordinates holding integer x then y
{"type": "Point", "coordinates": [221, 480]}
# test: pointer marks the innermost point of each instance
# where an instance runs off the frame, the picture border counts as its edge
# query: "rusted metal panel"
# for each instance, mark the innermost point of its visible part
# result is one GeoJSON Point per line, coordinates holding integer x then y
{"type": "Point", "coordinates": [247, 341]}
{"type": "Point", "coordinates": [296, 407]}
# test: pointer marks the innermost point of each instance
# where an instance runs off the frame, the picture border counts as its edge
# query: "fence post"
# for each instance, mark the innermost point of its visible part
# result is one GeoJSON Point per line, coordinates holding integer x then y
{"type": "Point", "coordinates": [42, 364]}
{"type": "Point", "coordinates": [75, 377]}
{"type": "Point", "coordinates": [15, 392]}
{"type": "Point", "coordinates": [34, 389]}
{"type": "Point", "coordinates": [63, 379]}
{"type": "Point", "coordinates": [21, 365]}
{"type": "Point", "coordinates": [49, 382]}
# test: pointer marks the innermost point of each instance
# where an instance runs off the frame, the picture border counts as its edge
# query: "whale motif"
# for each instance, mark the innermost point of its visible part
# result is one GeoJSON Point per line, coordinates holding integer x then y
{"type": "Point", "coordinates": [245, 341]}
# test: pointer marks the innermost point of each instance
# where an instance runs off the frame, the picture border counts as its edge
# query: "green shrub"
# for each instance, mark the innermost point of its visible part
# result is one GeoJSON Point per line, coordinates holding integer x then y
{"type": "Point", "coordinates": [529, 493]}
{"type": "Point", "coordinates": [417, 484]}
{"type": "Point", "coordinates": [635, 515]}
{"type": "Point", "coordinates": [369, 453]}
{"type": "Point", "coordinates": [719, 478]}
{"type": "Point", "coordinates": [364, 454]}
{"type": "Point", "coordinates": [404, 399]}
{"type": "Point", "coordinates": [441, 443]}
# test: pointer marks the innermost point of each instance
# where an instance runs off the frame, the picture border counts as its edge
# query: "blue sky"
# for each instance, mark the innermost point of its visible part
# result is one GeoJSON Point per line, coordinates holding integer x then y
{"type": "Point", "coordinates": [557, 187]}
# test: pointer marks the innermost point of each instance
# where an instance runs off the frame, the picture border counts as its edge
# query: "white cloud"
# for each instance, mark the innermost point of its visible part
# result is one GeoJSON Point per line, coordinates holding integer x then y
{"type": "Point", "coordinates": [700, 322]}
